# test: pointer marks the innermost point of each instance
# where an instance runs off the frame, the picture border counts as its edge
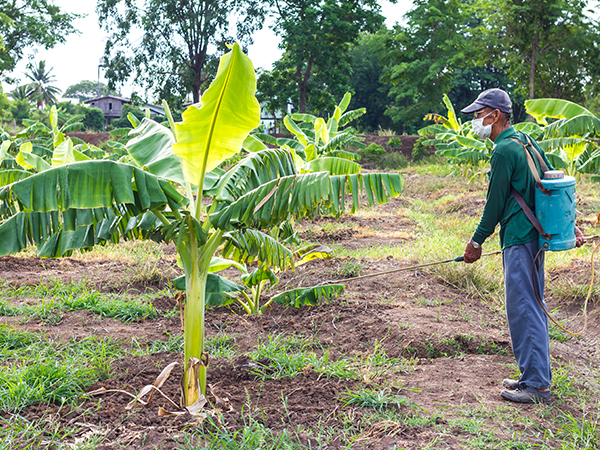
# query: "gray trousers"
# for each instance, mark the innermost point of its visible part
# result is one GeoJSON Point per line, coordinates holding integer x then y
{"type": "Point", "coordinates": [527, 321]}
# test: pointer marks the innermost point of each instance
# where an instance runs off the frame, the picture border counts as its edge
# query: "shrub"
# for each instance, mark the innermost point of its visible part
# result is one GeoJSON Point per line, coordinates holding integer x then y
{"type": "Point", "coordinates": [395, 142]}
{"type": "Point", "coordinates": [419, 149]}
{"type": "Point", "coordinates": [94, 119]}
{"type": "Point", "coordinates": [20, 110]}
{"type": "Point", "coordinates": [123, 121]}
{"type": "Point", "coordinates": [371, 153]}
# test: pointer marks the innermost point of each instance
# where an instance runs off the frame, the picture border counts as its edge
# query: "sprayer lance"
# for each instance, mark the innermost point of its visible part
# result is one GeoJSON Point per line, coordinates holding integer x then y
{"type": "Point", "coordinates": [419, 266]}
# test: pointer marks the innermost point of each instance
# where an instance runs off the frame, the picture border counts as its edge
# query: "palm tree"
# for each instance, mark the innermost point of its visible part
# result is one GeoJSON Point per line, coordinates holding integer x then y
{"type": "Point", "coordinates": [40, 89]}
{"type": "Point", "coordinates": [20, 93]}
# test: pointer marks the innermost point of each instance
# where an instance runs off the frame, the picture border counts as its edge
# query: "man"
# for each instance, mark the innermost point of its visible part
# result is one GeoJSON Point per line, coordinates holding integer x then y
{"type": "Point", "coordinates": [527, 321]}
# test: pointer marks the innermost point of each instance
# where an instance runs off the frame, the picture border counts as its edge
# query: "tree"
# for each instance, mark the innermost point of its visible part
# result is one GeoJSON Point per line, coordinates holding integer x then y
{"type": "Point", "coordinates": [316, 36]}
{"type": "Point", "coordinates": [20, 93]}
{"type": "Point", "coordinates": [172, 59]}
{"type": "Point", "coordinates": [551, 46]}
{"type": "Point", "coordinates": [19, 110]}
{"type": "Point", "coordinates": [422, 57]}
{"type": "Point", "coordinates": [366, 60]}
{"type": "Point", "coordinates": [85, 90]}
{"type": "Point", "coordinates": [30, 23]}
{"type": "Point", "coordinates": [40, 90]}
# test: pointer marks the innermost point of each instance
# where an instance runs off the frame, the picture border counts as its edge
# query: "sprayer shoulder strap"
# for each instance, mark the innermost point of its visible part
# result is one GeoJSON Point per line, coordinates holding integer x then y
{"type": "Point", "coordinates": [531, 164]}
{"type": "Point", "coordinates": [529, 213]}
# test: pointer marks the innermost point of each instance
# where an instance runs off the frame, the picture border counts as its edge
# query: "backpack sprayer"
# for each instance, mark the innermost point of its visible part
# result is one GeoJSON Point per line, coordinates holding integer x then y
{"type": "Point", "coordinates": [554, 220]}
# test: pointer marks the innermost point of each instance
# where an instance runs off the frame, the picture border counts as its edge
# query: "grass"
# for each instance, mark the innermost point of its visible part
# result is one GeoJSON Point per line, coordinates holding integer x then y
{"type": "Point", "coordinates": [37, 370]}
{"type": "Point", "coordinates": [222, 345]}
{"type": "Point", "coordinates": [57, 296]}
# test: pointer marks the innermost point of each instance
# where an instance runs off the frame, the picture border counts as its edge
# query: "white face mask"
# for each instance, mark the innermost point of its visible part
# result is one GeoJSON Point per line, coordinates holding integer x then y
{"type": "Point", "coordinates": [481, 130]}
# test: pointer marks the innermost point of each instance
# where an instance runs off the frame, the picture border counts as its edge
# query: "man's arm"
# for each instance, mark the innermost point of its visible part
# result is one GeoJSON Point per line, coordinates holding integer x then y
{"type": "Point", "coordinates": [498, 191]}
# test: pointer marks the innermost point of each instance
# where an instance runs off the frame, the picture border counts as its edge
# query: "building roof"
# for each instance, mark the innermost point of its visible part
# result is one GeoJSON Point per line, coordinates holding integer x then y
{"type": "Point", "coordinates": [111, 97]}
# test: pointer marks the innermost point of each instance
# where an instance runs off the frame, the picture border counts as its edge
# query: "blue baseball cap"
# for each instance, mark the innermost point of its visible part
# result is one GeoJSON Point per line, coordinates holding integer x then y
{"type": "Point", "coordinates": [493, 98]}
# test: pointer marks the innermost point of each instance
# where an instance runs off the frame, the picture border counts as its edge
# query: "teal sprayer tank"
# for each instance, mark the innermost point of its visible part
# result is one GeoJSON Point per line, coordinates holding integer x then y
{"type": "Point", "coordinates": [556, 212]}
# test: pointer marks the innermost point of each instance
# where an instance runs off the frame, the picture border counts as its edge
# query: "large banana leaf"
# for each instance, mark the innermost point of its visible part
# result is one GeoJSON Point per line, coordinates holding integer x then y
{"type": "Point", "coordinates": [308, 296]}
{"type": "Point", "coordinates": [275, 201]}
{"type": "Point", "coordinates": [303, 117]}
{"type": "Point", "coordinates": [558, 158]}
{"type": "Point", "coordinates": [452, 123]}
{"type": "Point", "coordinates": [579, 126]}
{"type": "Point", "coordinates": [296, 130]}
{"type": "Point", "coordinates": [470, 142]}
{"type": "Point", "coordinates": [432, 130]}
{"type": "Point", "coordinates": [529, 128]}
{"type": "Point", "coordinates": [229, 111]}
{"type": "Point", "coordinates": [339, 141]}
{"type": "Point", "coordinates": [26, 159]}
{"type": "Point", "coordinates": [246, 246]}
{"type": "Point", "coordinates": [589, 160]}
{"type": "Point", "coordinates": [152, 149]}
{"type": "Point", "coordinates": [555, 108]}
{"type": "Point", "coordinates": [11, 176]}
{"type": "Point", "coordinates": [349, 116]}
{"type": "Point", "coordinates": [378, 187]}
{"type": "Point", "coordinates": [350, 156]}
{"type": "Point", "coordinates": [251, 172]}
{"type": "Point", "coordinates": [333, 165]}
{"type": "Point", "coordinates": [253, 144]}
{"type": "Point", "coordinates": [268, 139]}
{"type": "Point", "coordinates": [64, 153]}
{"type": "Point", "coordinates": [85, 194]}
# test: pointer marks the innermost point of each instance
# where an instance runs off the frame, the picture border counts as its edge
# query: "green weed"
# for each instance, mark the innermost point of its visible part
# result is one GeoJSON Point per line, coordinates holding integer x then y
{"type": "Point", "coordinates": [350, 269]}
{"type": "Point", "coordinates": [374, 398]}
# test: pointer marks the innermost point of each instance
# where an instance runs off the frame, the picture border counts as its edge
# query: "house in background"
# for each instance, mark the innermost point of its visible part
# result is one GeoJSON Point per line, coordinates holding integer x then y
{"type": "Point", "coordinates": [112, 107]}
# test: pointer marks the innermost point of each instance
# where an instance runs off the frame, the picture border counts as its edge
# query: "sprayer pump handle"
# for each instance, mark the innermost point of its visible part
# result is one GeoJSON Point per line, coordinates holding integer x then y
{"type": "Point", "coordinates": [459, 258]}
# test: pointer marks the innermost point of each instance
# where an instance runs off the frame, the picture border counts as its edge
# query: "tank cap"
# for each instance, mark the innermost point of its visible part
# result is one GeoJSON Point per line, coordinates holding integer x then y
{"type": "Point", "coordinates": [554, 174]}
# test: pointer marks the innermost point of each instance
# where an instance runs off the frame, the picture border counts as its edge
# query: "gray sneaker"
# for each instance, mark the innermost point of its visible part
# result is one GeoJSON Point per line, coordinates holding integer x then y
{"type": "Point", "coordinates": [526, 394]}
{"type": "Point", "coordinates": [510, 384]}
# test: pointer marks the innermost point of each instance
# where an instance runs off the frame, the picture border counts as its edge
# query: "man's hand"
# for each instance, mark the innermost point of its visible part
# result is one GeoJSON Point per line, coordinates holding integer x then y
{"type": "Point", "coordinates": [579, 236]}
{"type": "Point", "coordinates": [472, 254]}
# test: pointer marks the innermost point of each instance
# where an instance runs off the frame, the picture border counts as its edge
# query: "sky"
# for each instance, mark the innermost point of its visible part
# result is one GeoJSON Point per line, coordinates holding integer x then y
{"type": "Point", "coordinates": [77, 59]}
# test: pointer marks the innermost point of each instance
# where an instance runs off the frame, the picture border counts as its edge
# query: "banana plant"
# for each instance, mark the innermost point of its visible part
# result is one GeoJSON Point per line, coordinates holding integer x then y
{"type": "Point", "coordinates": [257, 279]}
{"type": "Point", "coordinates": [456, 141]}
{"type": "Point", "coordinates": [321, 145]}
{"type": "Point", "coordinates": [81, 204]}
{"type": "Point", "coordinates": [569, 140]}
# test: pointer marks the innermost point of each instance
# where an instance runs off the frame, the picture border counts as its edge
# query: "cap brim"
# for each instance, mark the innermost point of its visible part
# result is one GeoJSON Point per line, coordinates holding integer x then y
{"type": "Point", "coordinates": [475, 106]}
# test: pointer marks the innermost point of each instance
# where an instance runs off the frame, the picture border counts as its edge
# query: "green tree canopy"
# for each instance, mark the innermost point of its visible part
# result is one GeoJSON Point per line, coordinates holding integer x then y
{"type": "Point", "coordinates": [316, 36]}
{"type": "Point", "coordinates": [366, 60]}
{"type": "Point", "coordinates": [173, 56]}
{"type": "Point", "coordinates": [422, 56]}
{"type": "Point", "coordinates": [25, 24]}
{"type": "Point", "coordinates": [86, 89]}
{"type": "Point", "coordinates": [551, 46]}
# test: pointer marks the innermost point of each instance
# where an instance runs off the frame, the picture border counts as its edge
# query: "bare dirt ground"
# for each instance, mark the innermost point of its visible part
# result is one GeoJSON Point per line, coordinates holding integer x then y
{"type": "Point", "coordinates": [460, 349]}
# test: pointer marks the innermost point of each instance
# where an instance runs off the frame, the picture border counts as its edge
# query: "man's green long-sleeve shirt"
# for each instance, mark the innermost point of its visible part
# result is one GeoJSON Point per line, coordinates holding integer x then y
{"type": "Point", "coordinates": [509, 167]}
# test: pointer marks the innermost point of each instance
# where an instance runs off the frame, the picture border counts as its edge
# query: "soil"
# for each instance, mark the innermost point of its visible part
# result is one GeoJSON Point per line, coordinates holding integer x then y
{"type": "Point", "coordinates": [461, 349]}
{"type": "Point", "coordinates": [91, 138]}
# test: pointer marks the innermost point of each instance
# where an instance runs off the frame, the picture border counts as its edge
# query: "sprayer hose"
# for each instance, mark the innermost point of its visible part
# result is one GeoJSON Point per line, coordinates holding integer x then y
{"type": "Point", "coordinates": [585, 316]}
